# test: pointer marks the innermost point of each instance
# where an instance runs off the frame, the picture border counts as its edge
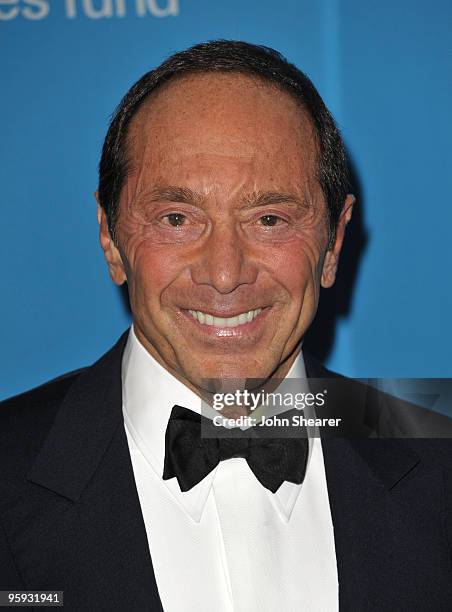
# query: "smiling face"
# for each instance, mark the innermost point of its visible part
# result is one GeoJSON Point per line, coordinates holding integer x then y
{"type": "Point", "coordinates": [222, 228]}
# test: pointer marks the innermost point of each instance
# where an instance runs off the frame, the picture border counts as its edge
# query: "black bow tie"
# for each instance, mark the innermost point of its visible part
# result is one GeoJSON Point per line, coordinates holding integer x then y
{"type": "Point", "coordinates": [190, 457]}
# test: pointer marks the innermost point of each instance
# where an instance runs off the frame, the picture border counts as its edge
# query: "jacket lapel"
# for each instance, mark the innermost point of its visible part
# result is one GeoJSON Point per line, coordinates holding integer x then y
{"type": "Point", "coordinates": [76, 524]}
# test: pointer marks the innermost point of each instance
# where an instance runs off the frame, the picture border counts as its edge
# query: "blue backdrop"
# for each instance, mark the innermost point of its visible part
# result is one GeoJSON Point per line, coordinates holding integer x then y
{"type": "Point", "coordinates": [384, 69]}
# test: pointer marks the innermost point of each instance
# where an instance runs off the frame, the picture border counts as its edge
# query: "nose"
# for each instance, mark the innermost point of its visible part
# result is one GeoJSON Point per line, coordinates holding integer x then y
{"type": "Point", "coordinates": [225, 261]}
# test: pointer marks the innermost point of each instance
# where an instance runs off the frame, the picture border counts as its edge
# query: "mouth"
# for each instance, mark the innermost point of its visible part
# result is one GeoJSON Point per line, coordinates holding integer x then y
{"type": "Point", "coordinates": [241, 318]}
{"type": "Point", "coordinates": [244, 324]}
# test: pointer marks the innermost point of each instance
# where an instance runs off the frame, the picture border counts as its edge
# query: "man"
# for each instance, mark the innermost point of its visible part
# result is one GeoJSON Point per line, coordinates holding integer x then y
{"type": "Point", "coordinates": [223, 203]}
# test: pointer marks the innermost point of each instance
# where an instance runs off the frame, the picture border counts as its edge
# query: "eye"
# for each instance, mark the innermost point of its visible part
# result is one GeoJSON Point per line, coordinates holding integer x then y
{"type": "Point", "coordinates": [175, 219]}
{"type": "Point", "coordinates": [270, 220]}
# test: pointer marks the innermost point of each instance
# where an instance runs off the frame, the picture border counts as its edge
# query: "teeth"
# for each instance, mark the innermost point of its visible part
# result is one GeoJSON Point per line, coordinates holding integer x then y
{"type": "Point", "coordinates": [207, 319]}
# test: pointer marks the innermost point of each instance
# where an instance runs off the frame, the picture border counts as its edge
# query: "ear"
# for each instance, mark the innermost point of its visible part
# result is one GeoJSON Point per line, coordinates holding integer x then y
{"type": "Point", "coordinates": [111, 253]}
{"type": "Point", "coordinates": [332, 255]}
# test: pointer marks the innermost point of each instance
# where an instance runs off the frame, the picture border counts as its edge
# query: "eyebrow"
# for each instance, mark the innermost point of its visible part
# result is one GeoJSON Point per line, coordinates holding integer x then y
{"type": "Point", "coordinates": [268, 198]}
{"type": "Point", "coordinates": [173, 193]}
{"type": "Point", "coordinates": [185, 195]}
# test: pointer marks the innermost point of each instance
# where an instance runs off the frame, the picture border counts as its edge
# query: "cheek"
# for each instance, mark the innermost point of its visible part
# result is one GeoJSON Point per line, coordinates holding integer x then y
{"type": "Point", "coordinates": [297, 265]}
{"type": "Point", "coordinates": [150, 269]}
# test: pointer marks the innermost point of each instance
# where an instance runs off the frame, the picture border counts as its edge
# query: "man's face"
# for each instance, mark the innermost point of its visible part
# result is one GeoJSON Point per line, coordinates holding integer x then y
{"type": "Point", "coordinates": [222, 228]}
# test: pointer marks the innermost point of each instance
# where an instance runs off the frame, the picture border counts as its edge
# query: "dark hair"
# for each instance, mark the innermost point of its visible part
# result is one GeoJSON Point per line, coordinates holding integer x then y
{"type": "Point", "coordinates": [227, 56]}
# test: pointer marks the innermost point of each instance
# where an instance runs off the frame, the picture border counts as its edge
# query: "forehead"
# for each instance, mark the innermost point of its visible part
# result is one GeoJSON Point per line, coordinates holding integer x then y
{"type": "Point", "coordinates": [228, 123]}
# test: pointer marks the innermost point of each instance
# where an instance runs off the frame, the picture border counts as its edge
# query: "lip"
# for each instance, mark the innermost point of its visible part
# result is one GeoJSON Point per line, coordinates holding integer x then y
{"type": "Point", "coordinates": [245, 329]}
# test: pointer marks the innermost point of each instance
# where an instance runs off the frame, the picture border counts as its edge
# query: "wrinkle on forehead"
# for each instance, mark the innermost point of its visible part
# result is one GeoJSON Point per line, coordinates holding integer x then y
{"type": "Point", "coordinates": [227, 125]}
{"type": "Point", "coordinates": [236, 186]}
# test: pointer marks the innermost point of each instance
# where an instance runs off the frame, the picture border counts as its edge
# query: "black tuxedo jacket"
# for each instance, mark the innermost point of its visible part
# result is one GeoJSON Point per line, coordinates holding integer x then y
{"type": "Point", "coordinates": [70, 517]}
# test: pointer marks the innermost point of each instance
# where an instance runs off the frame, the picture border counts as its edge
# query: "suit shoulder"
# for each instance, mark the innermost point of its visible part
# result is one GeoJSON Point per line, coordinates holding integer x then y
{"type": "Point", "coordinates": [436, 452]}
{"type": "Point", "coordinates": [25, 419]}
{"type": "Point", "coordinates": [42, 397]}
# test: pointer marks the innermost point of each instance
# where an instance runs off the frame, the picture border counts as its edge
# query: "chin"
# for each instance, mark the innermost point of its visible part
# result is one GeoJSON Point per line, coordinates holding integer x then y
{"type": "Point", "coordinates": [235, 370]}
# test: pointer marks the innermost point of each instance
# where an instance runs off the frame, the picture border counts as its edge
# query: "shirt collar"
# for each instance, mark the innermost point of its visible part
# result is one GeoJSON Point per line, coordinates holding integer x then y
{"type": "Point", "coordinates": [149, 393]}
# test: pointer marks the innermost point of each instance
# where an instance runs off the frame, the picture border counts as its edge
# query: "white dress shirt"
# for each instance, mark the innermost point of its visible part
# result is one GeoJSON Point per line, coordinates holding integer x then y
{"type": "Point", "coordinates": [228, 544]}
